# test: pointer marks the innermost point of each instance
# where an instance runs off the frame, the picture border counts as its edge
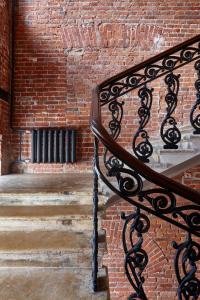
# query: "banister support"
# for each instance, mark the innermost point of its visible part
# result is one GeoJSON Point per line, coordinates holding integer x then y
{"type": "Point", "coordinates": [136, 258]}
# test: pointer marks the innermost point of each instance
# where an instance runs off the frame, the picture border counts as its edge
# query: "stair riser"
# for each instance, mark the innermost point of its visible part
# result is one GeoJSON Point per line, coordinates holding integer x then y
{"type": "Point", "coordinates": [49, 259]}
{"type": "Point", "coordinates": [44, 199]}
{"type": "Point", "coordinates": [59, 224]}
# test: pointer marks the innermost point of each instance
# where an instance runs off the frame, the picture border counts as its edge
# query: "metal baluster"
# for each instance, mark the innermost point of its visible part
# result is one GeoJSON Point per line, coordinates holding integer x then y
{"type": "Point", "coordinates": [194, 117]}
{"type": "Point", "coordinates": [136, 259]}
{"type": "Point", "coordinates": [141, 145]}
{"type": "Point", "coordinates": [185, 263]}
{"type": "Point", "coordinates": [95, 218]}
{"type": "Point", "coordinates": [169, 132]}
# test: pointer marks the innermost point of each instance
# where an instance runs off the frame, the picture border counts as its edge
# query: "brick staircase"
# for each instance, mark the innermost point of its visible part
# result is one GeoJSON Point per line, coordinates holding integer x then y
{"type": "Point", "coordinates": [45, 239]}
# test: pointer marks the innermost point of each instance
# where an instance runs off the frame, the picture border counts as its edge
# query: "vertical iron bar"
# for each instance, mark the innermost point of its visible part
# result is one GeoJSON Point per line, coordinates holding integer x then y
{"type": "Point", "coordinates": [44, 148]}
{"type": "Point", "coordinates": [61, 145]}
{"type": "Point", "coordinates": [50, 146]}
{"type": "Point", "coordinates": [73, 146]}
{"type": "Point", "coordinates": [55, 152]}
{"type": "Point", "coordinates": [67, 146]}
{"type": "Point", "coordinates": [33, 146]}
{"type": "Point", "coordinates": [38, 146]}
{"type": "Point", "coordinates": [95, 218]}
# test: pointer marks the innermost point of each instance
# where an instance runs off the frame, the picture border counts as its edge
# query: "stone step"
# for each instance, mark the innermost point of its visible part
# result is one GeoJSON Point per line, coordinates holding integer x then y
{"type": "Point", "coordinates": [48, 283]}
{"type": "Point", "coordinates": [59, 223]}
{"type": "Point", "coordinates": [48, 248]}
{"type": "Point", "coordinates": [39, 198]}
{"type": "Point", "coordinates": [50, 258]}
{"type": "Point", "coordinates": [53, 217]}
{"type": "Point", "coordinates": [47, 240]}
{"type": "Point", "coordinates": [41, 211]}
{"type": "Point", "coordinates": [175, 156]}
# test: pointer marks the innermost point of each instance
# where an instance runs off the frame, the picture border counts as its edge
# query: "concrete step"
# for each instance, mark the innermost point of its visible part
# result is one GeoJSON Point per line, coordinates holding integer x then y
{"type": "Point", "coordinates": [48, 240]}
{"type": "Point", "coordinates": [50, 258]}
{"type": "Point", "coordinates": [39, 198]}
{"type": "Point", "coordinates": [47, 283]}
{"type": "Point", "coordinates": [49, 248]}
{"type": "Point", "coordinates": [47, 217]}
{"type": "Point", "coordinates": [175, 156]}
{"type": "Point", "coordinates": [38, 240]}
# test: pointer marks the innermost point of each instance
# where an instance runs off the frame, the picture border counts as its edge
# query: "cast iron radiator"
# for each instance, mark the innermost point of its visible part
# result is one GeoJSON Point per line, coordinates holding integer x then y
{"type": "Point", "coordinates": [53, 146]}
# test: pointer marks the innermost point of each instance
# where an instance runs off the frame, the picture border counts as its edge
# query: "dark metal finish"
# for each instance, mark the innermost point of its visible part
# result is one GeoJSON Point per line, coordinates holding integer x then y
{"type": "Point", "coordinates": [185, 263]}
{"type": "Point", "coordinates": [149, 70]}
{"type": "Point", "coordinates": [169, 132]}
{"type": "Point", "coordinates": [4, 95]}
{"type": "Point", "coordinates": [95, 219]}
{"type": "Point", "coordinates": [53, 146]}
{"type": "Point", "coordinates": [195, 116]}
{"type": "Point", "coordinates": [67, 143]}
{"type": "Point", "coordinates": [163, 203]}
{"type": "Point", "coordinates": [50, 146]}
{"type": "Point", "coordinates": [136, 259]}
{"type": "Point", "coordinates": [73, 146]}
{"type": "Point", "coordinates": [128, 173]}
{"type": "Point", "coordinates": [116, 109]}
{"type": "Point", "coordinates": [141, 145]}
{"type": "Point", "coordinates": [44, 146]}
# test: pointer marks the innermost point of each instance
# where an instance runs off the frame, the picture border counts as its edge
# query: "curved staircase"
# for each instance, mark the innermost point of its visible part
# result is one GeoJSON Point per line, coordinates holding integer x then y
{"type": "Point", "coordinates": [142, 176]}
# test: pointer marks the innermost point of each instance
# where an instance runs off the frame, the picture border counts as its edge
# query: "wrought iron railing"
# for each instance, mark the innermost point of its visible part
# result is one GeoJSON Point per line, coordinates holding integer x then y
{"type": "Point", "coordinates": [125, 173]}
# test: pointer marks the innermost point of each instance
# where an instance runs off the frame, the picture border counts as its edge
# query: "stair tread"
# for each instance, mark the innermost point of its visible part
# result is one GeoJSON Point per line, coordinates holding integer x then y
{"type": "Point", "coordinates": [47, 283]}
{"type": "Point", "coordinates": [44, 210]}
{"type": "Point", "coordinates": [38, 239]}
{"type": "Point", "coordinates": [70, 183]}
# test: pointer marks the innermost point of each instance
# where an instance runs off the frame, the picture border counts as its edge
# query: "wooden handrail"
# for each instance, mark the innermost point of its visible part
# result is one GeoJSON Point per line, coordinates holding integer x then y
{"type": "Point", "coordinates": [150, 61]}
{"type": "Point", "coordinates": [102, 135]}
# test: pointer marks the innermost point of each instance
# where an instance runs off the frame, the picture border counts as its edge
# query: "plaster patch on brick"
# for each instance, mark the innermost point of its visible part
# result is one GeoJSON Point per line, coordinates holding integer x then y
{"type": "Point", "coordinates": [111, 35]}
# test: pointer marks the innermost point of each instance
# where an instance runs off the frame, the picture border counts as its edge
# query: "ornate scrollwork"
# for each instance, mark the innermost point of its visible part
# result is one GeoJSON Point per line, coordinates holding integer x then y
{"type": "Point", "coordinates": [194, 115]}
{"type": "Point", "coordinates": [136, 259]}
{"type": "Point", "coordinates": [129, 82]}
{"type": "Point", "coordinates": [129, 182]}
{"type": "Point", "coordinates": [141, 145]}
{"type": "Point", "coordinates": [116, 109]}
{"type": "Point", "coordinates": [187, 255]}
{"type": "Point", "coordinates": [110, 161]}
{"type": "Point", "coordinates": [170, 134]}
{"type": "Point", "coordinates": [192, 219]}
{"type": "Point", "coordinates": [163, 203]}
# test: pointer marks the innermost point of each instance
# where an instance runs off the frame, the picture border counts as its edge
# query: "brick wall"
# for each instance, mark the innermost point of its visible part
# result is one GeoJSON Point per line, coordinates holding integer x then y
{"type": "Point", "coordinates": [4, 85]}
{"type": "Point", "coordinates": [64, 48]}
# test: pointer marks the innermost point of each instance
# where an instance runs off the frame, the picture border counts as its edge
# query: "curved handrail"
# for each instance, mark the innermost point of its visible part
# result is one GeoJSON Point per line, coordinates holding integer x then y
{"type": "Point", "coordinates": [167, 183]}
{"type": "Point", "coordinates": [151, 60]}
